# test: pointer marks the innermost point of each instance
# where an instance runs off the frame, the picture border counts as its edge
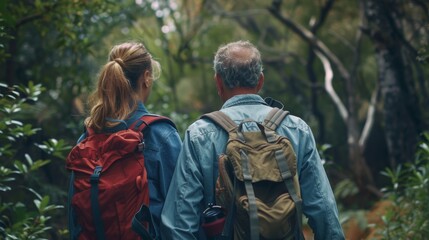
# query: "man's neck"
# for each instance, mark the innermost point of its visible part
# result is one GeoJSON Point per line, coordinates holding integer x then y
{"type": "Point", "coordinates": [229, 93]}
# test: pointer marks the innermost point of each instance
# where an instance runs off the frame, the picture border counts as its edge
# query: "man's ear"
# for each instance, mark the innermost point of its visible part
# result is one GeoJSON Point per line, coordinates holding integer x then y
{"type": "Point", "coordinates": [219, 85]}
{"type": "Point", "coordinates": [260, 82]}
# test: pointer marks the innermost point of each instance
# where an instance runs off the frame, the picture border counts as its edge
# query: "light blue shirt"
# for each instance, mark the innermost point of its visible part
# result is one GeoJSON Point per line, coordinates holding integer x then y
{"type": "Point", "coordinates": [193, 181]}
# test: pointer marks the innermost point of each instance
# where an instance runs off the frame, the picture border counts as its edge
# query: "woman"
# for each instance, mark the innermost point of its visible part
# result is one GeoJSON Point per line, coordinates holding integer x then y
{"type": "Point", "coordinates": [123, 87]}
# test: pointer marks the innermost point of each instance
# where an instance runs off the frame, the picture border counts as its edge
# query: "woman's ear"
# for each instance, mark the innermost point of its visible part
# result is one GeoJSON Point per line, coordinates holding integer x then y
{"type": "Point", "coordinates": [147, 79]}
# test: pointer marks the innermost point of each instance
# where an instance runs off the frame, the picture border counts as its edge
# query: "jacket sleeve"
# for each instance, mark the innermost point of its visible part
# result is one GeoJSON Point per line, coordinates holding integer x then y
{"type": "Point", "coordinates": [169, 153]}
{"type": "Point", "coordinates": [318, 199]}
{"type": "Point", "coordinates": [181, 213]}
{"type": "Point", "coordinates": [161, 152]}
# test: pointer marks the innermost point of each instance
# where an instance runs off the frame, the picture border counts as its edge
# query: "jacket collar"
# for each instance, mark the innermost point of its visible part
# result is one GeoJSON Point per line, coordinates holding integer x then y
{"type": "Point", "coordinates": [244, 99]}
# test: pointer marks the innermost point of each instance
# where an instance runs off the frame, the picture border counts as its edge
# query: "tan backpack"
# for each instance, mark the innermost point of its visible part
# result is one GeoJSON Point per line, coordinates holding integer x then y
{"type": "Point", "coordinates": [258, 182]}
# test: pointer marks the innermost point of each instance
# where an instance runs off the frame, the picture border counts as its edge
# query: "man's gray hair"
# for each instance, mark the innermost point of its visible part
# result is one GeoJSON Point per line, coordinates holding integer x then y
{"type": "Point", "coordinates": [239, 64]}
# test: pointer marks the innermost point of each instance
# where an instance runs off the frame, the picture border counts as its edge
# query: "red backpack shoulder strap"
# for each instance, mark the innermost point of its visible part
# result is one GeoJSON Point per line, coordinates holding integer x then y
{"type": "Point", "coordinates": [146, 120]}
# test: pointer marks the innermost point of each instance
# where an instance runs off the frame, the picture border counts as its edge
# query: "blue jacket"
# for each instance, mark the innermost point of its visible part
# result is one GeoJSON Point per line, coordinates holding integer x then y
{"type": "Point", "coordinates": [162, 147]}
{"type": "Point", "coordinates": [196, 171]}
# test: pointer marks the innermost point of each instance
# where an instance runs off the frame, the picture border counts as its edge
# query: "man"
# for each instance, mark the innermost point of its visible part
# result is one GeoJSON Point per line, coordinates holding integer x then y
{"type": "Point", "coordinates": [239, 77]}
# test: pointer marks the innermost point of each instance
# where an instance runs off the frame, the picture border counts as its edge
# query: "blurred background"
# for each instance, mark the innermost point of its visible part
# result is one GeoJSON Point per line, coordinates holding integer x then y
{"type": "Point", "coordinates": [355, 70]}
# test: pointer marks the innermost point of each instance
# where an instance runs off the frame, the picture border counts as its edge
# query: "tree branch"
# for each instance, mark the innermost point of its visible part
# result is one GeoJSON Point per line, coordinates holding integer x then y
{"type": "Point", "coordinates": [330, 89]}
{"type": "Point", "coordinates": [311, 39]}
{"type": "Point", "coordinates": [314, 27]}
{"type": "Point", "coordinates": [323, 14]}
{"type": "Point", "coordinates": [36, 16]}
{"type": "Point", "coordinates": [28, 19]}
{"type": "Point", "coordinates": [369, 123]}
{"type": "Point", "coordinates": [233, 14]}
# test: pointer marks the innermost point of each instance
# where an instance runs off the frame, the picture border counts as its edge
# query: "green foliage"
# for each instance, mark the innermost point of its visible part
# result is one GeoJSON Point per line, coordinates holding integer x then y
{"type": "Point", "coordinates": [61, 44]}
{"type": "Point", "coordinates": [423, 52]}
{"type": "Point", "coordinates": [3, 38]}
{"type": "Point", "coordinates": [182, 120]}
{"type": "Point", "coordinates": [52, 43]}
{"type": "Point", "coordinates": [24, 212]}
{"type": "Point", "coordinates": [408, 218]}
{"type": "Point", "coordinates": [345, 188]}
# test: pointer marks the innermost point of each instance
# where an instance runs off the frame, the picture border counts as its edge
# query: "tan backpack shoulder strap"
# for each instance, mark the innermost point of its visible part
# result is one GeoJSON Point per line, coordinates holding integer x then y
{"type": "Point", "coordinates": [291, 182]}
{"type": "Point", "coordinates": [275, 118]}
{"type": "Point", "coordinates": [221, 119]}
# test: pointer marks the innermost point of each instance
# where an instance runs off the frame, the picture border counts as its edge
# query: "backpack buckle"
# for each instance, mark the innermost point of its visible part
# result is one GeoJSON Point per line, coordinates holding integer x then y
{"type": "Point", "coordinates": [140, 146]}
{"type": "Point", "coordinates": [96, 175]}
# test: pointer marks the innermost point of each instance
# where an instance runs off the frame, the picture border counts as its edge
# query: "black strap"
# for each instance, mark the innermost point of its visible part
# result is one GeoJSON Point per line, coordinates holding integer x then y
{"type": "Point", "coordinates": [74, 228]}
{"type": "Point", "coordinates": [95, 207]}
{"type": "Point", "coordinates": [144, 215]}
{"type": "Point", "coordinates": [273, 103]}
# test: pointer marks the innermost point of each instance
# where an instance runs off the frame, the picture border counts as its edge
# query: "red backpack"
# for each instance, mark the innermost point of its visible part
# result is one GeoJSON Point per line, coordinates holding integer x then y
{"type": "Point", "coordinates": [109, 192]}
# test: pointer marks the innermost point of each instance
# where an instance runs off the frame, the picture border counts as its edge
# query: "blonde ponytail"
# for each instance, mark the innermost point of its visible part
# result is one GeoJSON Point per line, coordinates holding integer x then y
{"type": "Point", "coordinates": [116, 93]}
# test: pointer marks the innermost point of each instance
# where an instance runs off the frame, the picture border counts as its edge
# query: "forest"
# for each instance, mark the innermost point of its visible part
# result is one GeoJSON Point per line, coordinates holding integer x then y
{"type": "Point", "coordinates": [355, 70]}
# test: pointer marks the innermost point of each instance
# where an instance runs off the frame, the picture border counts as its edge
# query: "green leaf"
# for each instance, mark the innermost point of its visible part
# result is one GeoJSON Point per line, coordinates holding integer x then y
{"type": "Point", "coordinates": [9, 179]}
{"type": "Point", "coordinates": [13, 122]}
{"type": "Point", "coordinates": [54, 147]}
{"type": "Point", "coordinates": [38, 164]}
{"type": "Point", "coordinates": [22, 168]}
{"type": "Point", "coordinates": [29, 160]}
{"type": "Point", "coordinates": [42, 204]}
{"type": "Point", "coordinates": [4, 188]}
{"type": "Point", "coordinates": [4, 171]}
{"type": "Point", "coordinates": [53, 207]}
{"type": "Point", "coordinates": [35, 193]}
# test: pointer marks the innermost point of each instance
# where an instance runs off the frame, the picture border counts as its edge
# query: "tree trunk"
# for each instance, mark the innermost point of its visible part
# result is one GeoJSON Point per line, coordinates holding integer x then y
{"type": "Point", "coordinates": [401, 116]}
{"type": "Point", "coordinates": [10, 61]}
{"type": "Point", "coordinates": [315, 91]}
{"type": "Point", "coordinates": [358, 166]}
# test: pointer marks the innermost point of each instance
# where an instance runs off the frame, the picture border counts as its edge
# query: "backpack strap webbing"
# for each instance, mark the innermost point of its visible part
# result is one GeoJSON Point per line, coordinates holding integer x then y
{"type": "Point", "coordinates": [221, 119]}
{"type": "Point", "coordinates": [289, 182]}
{"type": "Point", "coordinates": [144, 214]}
{"type": "Point", "coordinates": [274, 118]}
{"type": "Point", "coordinates": [95, 206]}
{"type": "Point", "coordinates": [74, 227]}
{"type": "Point", "coordinates": [253, 209]}
{"type": "Point", "coordinates": [145, 120]}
